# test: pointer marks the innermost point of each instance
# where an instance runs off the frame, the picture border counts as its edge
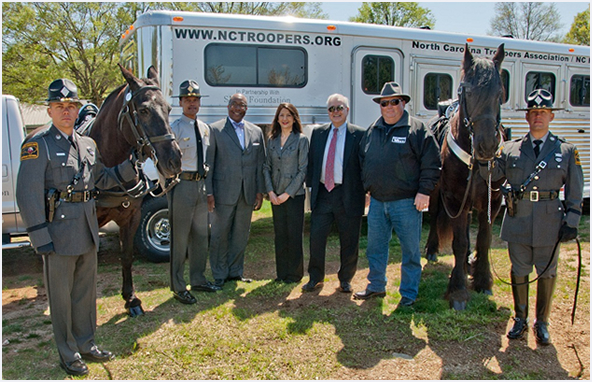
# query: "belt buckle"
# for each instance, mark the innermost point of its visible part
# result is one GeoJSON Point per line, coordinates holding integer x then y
{"type": "Point", "coordinates": [534, 196]}
{"type": "Point", "coordinates": [86, 196]}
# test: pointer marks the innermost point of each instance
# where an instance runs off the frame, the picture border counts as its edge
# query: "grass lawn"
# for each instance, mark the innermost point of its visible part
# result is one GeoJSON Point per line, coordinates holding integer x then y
{"type": "Point", "coordinates": [268, 330]}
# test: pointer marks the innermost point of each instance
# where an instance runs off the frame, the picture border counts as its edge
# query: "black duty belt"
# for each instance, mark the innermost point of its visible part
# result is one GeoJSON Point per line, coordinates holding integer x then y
{"type": "Point", "coordinates": [76, 196]}
{"type": "Point", "coordinates": [535, 196]}
{"type": "Point", "coordinates": [191, 175]}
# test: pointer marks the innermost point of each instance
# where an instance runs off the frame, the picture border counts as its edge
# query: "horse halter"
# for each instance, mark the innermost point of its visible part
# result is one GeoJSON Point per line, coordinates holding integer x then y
{"type": "Point", "coordinates": [468, 120]}
{"type": "Point", "coordinates": [142, 139]}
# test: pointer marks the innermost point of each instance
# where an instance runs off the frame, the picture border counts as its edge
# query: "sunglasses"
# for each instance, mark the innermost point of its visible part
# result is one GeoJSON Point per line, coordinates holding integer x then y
{"type": "Point", "coordinates": [336, 108]}
{"type": "Point", "coordinates": [393, 102]}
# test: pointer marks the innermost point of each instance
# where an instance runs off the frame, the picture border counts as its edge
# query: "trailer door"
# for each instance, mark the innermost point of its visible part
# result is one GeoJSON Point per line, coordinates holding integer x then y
{"type": "Point", "coordinates": [372, 68]}
{"type": "Point", "coordinates": [434, 80]}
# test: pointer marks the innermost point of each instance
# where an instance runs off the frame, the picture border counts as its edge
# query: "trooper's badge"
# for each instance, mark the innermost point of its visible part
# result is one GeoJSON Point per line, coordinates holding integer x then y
{"type": "Point", "coordinates": [30, 151]}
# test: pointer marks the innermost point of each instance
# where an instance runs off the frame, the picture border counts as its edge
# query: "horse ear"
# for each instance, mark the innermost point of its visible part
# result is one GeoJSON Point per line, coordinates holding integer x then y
{"type": "Point", "coordinates": [133, 82]}
{"type": "Point", "coordinates": [153, 74]}
{"type": "Point", "coordinates": [468, 59]}
{"type": "Point", "coordinates": [500, 54]}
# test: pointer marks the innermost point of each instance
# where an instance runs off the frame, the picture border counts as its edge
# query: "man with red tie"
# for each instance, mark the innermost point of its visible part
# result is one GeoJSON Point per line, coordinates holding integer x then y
{"type": "Point", "coordinates": [337, 193]}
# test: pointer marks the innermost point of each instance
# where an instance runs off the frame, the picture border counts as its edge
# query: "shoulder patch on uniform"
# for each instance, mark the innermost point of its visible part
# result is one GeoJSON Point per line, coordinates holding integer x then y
{"type": "Point", "coordinates": [30, 150]}
{"type": "Point", "coordinates": [577, 157]}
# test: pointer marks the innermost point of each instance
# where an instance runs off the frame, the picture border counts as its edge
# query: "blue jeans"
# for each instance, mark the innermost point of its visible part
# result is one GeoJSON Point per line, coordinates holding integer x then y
{"type": "Point", "coordinates": [405, 219]}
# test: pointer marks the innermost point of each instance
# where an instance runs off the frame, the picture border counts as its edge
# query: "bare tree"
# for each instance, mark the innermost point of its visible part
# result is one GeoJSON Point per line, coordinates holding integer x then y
{"type": "Point", "coordinates": [530, 21]}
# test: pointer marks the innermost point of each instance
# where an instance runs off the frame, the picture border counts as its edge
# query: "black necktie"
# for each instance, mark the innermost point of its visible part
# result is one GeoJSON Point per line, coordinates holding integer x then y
{"type": "Point", "coordinates": [537, 147]}
{"type": "Point", "coordinates": [71, 139]}
{"type": "Point", "coordinates": [200, 161]}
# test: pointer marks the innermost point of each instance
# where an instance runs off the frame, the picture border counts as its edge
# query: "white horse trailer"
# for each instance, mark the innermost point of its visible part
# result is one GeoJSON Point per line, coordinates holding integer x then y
{"type": "Point", "coordinates": [285, 59]}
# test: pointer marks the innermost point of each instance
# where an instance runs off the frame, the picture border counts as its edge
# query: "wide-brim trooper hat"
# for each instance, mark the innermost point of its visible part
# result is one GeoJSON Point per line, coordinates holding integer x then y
{"type": "Point", "coordinates": [63, 90]}
{"type": "Point", "coordinates": [392, 89]}
{"type": "Point", "coordinates": [540, 99]}
{"type": "Point", "coordinates": [189, 88]}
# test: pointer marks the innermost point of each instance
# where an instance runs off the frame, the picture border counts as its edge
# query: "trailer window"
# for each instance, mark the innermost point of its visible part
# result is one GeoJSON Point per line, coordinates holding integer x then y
{"type": "Point", "coordinates": [506, 84]}
{"type": "Point", "coordinates": [252, 65]}
{"type": "Point", "coordinates": [376, 71]}
{"type": "Point", "coordinates": [436, 87]}
{"type": "Point", "coordinates": [539, 80]}
{"type": "Point", "coordinates": [579, 91]}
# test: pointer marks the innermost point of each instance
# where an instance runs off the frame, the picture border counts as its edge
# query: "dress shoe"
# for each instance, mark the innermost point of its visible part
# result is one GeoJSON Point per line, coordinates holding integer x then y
{"type": "Point", "coordinates": [519, 328]}
{"type": "Point", "coordinates": [97, 355]}
{"type": "Point", "coordinates": [406, 301]}
{"type": "Point", "coordinates": [207, 287]}
{"type": "Point", "coordinates": [219, 283]}
{"type": "Point", "coordinates": [239, 278]}
{"type": "Point", "coordinates": [184, 297]}
{"type": "Point", "coordinates": [345, 287]}
{"type": "Point", "coordinates": [542, 333]}
{"type": "Point", "coordinates": [77, 367]}
{"type": "Point", "coordinates": [366, 294]}
{"type": "Point", "coordinates": [312, 285]}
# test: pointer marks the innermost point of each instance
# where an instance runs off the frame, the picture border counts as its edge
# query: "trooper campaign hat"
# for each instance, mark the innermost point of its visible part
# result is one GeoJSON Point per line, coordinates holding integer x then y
{"type": "Point", "coordinates": [189, 88]}
{"type": "Point", "coordinates": [392, 89]}
{"type": "Point", "coordinates": [540, 99]}
{"type": "Point", "coordinates": [63, 90]}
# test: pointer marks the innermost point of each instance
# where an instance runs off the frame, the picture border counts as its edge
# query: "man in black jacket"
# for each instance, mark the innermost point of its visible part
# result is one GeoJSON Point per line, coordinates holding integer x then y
{"type": "Point", "coordinates": [400, 167]}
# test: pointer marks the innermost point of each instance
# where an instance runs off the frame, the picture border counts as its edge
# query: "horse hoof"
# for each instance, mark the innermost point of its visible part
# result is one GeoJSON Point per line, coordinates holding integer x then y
{"type": "Point", "coordinates": [459, 305]}
{"type": "Point", "coordinates": [136, 311]}
{"type": "Point", "coordinates": [432, 257]}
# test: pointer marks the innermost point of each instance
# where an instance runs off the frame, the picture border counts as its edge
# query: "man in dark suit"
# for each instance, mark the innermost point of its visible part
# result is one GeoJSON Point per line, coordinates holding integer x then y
{"type": "Point", "coordinates": [337, 193]}
{"type": "Point", "coordinates": [235, 187]}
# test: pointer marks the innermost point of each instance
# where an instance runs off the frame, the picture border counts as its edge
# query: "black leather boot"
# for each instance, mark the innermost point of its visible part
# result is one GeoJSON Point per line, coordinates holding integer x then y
{"type": "Point", "coordinates": [520, 293]}
{"type": "Point", "coordinates": [545, 289]}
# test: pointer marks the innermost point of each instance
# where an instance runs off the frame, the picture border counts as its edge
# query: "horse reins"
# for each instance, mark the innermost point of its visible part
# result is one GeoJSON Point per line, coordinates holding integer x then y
{"type": "Point", "coordinates": [465, 157]}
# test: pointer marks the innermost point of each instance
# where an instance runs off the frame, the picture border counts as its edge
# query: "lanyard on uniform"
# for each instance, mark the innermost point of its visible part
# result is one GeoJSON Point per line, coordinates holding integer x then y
{"type": "Point", "coordinates": [540, 167]}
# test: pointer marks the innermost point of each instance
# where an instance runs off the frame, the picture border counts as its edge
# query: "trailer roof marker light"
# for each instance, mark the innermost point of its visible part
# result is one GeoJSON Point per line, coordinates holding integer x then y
{"type": "Point", "coordinates": [331, 27]}
{"type": "Point", "coordinates": [470, 39]}
{"type": "Point", "coordinates": [178, 19]}
{"type": "Point", "coordinates": [572, 50]}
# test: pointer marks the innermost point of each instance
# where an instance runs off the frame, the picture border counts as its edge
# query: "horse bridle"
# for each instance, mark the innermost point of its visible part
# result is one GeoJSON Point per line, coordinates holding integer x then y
{"type": "Point", "coordinates": [468, 120]}
{"type": "Point", "coordinates": [143, 141]}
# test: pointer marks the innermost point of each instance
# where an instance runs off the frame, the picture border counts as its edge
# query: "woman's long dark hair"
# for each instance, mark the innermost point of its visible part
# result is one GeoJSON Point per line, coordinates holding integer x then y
{"type": "Point", "coordinates": [276, 129]}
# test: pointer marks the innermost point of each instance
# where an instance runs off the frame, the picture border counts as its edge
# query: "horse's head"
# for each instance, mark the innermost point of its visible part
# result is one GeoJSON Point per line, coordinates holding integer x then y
{"type": "Point", "coordinates": [480, 95]}
{"type": "Point", "coordinates": [145, 122]}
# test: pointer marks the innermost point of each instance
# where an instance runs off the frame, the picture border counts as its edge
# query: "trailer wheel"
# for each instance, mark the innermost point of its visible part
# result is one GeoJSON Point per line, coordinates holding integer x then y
{"type": "Point", "coordinates": [153, 236]}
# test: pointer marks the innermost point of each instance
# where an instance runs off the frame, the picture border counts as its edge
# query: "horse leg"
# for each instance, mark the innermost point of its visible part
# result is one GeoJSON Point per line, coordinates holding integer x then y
{"type": "Point", "coordinates": [133, 304]}
{"type": "Point", "coordinates": [457, 293]}
{"type": "Point", "coordinates": [482, 278]}
{"type": "Point", "coordinates": [433, 244]}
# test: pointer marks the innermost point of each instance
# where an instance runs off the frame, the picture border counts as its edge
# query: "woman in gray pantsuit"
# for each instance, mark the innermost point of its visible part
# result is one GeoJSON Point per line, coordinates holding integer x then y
{"type": "Point", "coordinates": [284, 172]}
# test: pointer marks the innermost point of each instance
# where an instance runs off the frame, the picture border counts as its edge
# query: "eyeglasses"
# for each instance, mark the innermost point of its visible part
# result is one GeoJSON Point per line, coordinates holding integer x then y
{"type": "Point", "coordinates": [336, 108]}
{"type": "Point", "coordinates": [393, 102]}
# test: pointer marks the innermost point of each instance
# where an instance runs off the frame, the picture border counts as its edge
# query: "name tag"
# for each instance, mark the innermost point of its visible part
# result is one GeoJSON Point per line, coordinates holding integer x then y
{"type": "Point", "coordinates": [256, 143]}
{"type": "Point", "coordinates": [60, 154]}
{"type": "Point", "coordinates": [399, 140]}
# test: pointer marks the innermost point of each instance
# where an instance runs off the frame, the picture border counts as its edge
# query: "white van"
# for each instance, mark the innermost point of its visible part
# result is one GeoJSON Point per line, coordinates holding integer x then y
{"type": "Point", "coordinates": [13, 134]}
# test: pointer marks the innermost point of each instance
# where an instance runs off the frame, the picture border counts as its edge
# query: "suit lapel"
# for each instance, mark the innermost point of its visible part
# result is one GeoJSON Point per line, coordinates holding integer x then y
{"type": "Point", "coordinates": [229, 129]}
{"type": "Point", "coordinates": [526, 148]}
{"type": "Point", "coordinates": [349, 145]}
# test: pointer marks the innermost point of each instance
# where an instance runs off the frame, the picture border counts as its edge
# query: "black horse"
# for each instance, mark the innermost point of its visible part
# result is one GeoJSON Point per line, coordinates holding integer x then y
{"type": "Point", "coordinates": [134, 117]}
{"type": "Point", "coordinates": [474, 135]}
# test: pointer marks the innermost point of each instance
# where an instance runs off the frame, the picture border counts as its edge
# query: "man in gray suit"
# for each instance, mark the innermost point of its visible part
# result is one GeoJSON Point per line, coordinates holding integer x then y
{"type": "Point", "coordinates": [536, 167]}
{"type": "Point", "coordinates": [188, 212]}
{"type": "Point", "coordinates": [235, 188]}
{"type": "Point", "coordinates": [58, 173]}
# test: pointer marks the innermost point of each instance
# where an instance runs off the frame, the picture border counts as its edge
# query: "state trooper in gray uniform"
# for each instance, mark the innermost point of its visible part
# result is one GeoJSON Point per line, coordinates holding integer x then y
{"type": "Point", "coordinates": [58, 174]}
{"type": "Point", "coordinates": [536, 166]}
{"type": "Point", "coordinates": [188, 207]}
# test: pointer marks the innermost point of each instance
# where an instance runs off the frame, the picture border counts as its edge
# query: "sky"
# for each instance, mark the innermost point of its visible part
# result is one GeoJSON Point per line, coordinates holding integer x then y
{"type": "Point", "coordinates": [461, 17]}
